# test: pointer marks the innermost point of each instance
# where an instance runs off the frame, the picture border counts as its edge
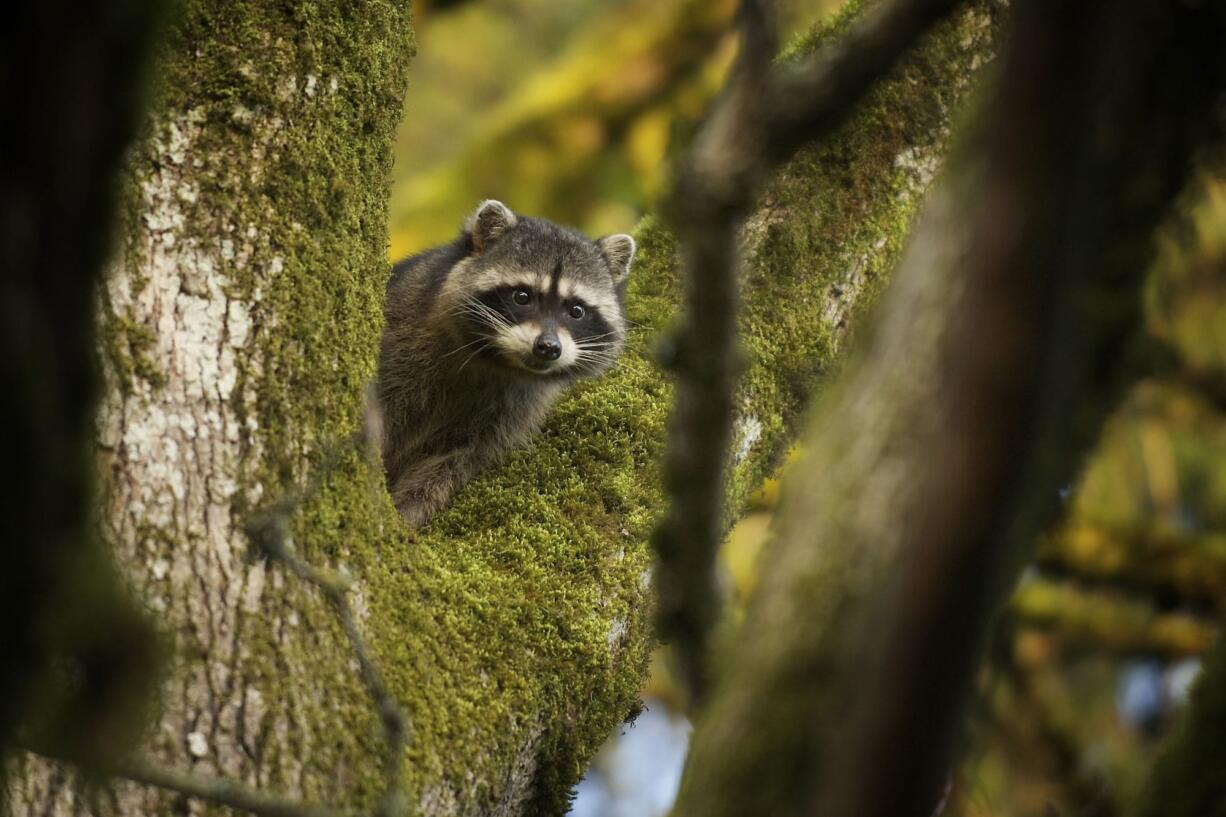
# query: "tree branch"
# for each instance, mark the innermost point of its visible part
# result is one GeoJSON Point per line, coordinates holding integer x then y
{"type": "Point", "coordinates": [763, 117]}
{"type": "Point", "coordinates": [809, 100]}
{"type": "Point", "coordinates": [706, 360]}
{"type": "Point", "coordinates": [269, 531]}
{"type": "Point", "coordinates": [1108, 621]}
{"type": "Point", "coordinates": [219, 790]}
{"type": "Point", "coordinates": [997, 355]}
{"type": "Point", "coordinates": [1152, 561]}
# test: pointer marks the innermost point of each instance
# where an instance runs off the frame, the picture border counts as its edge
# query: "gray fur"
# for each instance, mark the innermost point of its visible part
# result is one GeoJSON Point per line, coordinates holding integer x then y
{"type": "Point", "coordinates": [455, 388]}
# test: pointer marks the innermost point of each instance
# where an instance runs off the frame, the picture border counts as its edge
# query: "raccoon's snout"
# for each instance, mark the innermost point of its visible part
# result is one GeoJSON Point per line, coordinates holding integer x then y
{"type": "Point", "coordinates": [547, 346]}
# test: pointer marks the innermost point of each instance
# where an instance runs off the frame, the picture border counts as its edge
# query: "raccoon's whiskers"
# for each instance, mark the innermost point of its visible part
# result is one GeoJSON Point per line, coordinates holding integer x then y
{"type": "Point", "coordinates": [594, 357]}
{"type": "Point", "coordinates": [596, 354]}
{"type": "Point", "coordinates": [494, 316]}
{"type": "Point", "coordinates": [480, 349]}
{"type": "Point", "coordinates": [480, 313]}
{"type": "Point", "coordinates": [461, 348]}
{"type": "Point", "coordinates": [598, 345]}
{"type": "Point", "coordinates": [590, 338]}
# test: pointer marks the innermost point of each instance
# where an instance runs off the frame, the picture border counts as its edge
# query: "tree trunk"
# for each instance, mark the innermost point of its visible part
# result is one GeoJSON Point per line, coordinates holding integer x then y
{"type": "Point", "coordinates": [239, 320]}
{"type": "Point", "coordinates": [240, 327]}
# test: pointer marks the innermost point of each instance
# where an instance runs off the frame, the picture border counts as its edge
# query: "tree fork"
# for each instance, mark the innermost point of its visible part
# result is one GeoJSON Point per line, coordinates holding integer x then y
{"type": "Point", "coordinates": [240, 325]}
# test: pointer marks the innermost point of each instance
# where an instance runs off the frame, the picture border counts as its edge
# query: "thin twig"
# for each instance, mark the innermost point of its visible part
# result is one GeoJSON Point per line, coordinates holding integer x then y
{"type": "Point", "coordinates": [219, 790]}
{"type": "Point", "coordinates": [707, 364]}
{"type": "Point", "coordinates": [269, 531]}
{"type": "Point", "coordinates": [271, 534]}
{"type": "Point", "coordinates": [763, 117]}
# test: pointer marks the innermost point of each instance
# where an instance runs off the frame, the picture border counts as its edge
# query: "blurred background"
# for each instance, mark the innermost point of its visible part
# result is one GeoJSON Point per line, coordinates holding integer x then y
{"type": "Point", "coordinates": [563, 110]}
{"type": "Point", "coordinates": [1101, 641]}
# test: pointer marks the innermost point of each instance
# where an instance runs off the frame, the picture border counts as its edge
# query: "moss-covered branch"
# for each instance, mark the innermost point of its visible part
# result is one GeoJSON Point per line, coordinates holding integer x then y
{"type": "Point", "coordinates": [526, 610]}
{"type": "Point", "coordinates": [1158, 562]}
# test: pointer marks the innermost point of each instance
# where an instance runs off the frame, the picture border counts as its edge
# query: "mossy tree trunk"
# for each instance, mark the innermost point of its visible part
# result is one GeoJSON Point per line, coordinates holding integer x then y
{"type": "Point", "coordinates": [240, 326]}
{"type": "Point", "coordinates": [238, 322]}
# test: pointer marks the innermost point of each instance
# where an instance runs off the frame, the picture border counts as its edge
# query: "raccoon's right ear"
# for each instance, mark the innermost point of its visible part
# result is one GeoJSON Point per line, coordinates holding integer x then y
{"type": "Point", "coordinates": [491, 219]}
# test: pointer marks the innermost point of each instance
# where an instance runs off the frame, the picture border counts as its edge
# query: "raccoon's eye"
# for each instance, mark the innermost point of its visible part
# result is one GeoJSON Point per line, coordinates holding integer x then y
{"type": "Point", "coordinates": [521, 297]}
{"type": "Point", "coordinates": [576, 312]}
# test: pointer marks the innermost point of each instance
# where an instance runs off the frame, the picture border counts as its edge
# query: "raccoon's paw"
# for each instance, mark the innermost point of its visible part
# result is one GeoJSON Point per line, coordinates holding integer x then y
{"type": "Point", "coordinates": [415, 515]}
{"type": "Point", "coordinates": [418, 500]}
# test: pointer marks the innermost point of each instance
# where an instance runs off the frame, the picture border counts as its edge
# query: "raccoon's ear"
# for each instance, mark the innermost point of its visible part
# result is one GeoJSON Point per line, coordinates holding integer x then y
{"type": "Point", "coordinates": [490, 220]}
{"type": "Point", "coordinates": [619, 252]}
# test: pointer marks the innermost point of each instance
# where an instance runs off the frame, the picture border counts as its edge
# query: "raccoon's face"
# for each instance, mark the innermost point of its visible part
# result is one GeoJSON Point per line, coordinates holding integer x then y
{"type": "Point", "coordinates": [537, 298]}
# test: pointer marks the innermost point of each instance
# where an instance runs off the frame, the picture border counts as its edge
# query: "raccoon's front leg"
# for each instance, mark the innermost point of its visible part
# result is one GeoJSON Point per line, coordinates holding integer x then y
{"type": "Point", "coordinates": [427, 486]}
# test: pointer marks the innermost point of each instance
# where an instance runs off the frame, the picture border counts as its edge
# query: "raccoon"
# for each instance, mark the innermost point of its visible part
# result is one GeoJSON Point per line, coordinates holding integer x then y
{"type": "Point", "coordinates": [481, 336]}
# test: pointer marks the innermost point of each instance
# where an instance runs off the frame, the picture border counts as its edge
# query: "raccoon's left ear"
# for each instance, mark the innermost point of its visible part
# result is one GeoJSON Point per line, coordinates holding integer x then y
{"type": "Point", "coordinates": [619, 252]}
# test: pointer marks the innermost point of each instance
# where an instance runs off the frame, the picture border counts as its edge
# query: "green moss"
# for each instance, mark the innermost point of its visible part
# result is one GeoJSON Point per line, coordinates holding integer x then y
{"type": "Point", "coordinates": [126, 345]}
{"type": "Point", "coordinates": [291, 110]}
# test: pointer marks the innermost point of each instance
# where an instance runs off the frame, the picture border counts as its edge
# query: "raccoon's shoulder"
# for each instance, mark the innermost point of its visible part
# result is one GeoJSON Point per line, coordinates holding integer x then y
{"type": "Point", "coordinates": [419, 277]}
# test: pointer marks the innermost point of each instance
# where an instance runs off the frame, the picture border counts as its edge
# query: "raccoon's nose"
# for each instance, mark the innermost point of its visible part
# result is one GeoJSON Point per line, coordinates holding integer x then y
{"type": "Point", "coordinates": [547, 346]}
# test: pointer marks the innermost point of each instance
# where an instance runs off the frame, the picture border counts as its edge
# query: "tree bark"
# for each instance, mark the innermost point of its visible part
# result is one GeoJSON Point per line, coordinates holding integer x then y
{"type": "Point", "coordinates": [240, 325]}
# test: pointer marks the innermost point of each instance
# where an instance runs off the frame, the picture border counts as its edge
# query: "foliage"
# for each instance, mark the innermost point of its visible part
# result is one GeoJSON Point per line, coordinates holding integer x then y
{"type": "Point", "coordinates": [580, 136]}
